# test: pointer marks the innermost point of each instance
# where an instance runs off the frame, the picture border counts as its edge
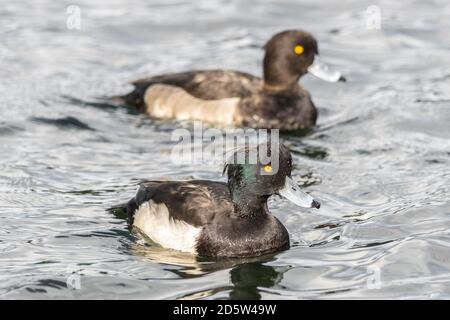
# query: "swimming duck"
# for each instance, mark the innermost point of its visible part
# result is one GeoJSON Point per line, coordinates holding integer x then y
{"type": "Point", "coordinates": [218, 219]}
{"type": "Point", "coordinates": [233, 98]}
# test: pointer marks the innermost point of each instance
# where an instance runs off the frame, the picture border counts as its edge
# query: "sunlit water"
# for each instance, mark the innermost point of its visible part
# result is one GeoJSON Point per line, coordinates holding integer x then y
{"type": "Point", "coordinates": [378, 159]}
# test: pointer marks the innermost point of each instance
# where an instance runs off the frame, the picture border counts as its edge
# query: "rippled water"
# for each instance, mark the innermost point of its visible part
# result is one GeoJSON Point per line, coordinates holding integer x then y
{"type": "Point", "coordinates": [378, 159]}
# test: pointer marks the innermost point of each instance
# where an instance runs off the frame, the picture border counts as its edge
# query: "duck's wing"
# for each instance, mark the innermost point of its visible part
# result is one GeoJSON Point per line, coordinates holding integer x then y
{"type": "Point", "coordinates": [202, 84]}
{"type": "Point", "coordinates": [173, 214]}
{"type": "Point", "coordinates": [194, 202]}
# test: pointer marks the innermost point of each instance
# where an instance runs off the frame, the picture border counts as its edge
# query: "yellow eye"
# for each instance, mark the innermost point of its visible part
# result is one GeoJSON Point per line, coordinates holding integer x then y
{"type": "Point", "coordinates": [298, 49]}
{"type": "Point", "coordinates": [268, 168]}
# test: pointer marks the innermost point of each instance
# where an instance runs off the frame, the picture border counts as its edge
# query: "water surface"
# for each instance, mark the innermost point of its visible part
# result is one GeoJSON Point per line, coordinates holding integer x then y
{"type": "Point", "coordinates": [378, 159]}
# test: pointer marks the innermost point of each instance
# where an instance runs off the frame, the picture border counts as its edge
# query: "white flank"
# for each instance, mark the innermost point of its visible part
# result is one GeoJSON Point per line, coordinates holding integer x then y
{"type": "Point", "coordinates": [167, 101]}
{"type": "Point", "coordinates": [155, 222]}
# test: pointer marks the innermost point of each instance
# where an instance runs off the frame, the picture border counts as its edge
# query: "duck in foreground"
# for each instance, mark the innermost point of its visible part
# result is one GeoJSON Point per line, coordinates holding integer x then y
{"type": "Point", "coordinates": [234, 98]}
{"type": "Point", "coordinates": [217, 219]}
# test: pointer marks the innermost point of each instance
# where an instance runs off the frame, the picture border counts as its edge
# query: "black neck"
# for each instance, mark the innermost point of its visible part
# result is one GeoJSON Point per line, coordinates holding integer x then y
{"type": "Point", "coordinates": [278, 76]}
{"type": "Point", "coordinates": [250, 205]}
{"type": "Point", "coordinates": [283, 84]}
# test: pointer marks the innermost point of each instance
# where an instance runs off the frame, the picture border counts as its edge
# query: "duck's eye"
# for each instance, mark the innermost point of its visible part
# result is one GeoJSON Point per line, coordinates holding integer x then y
{"type": "Point", "coordinates": [299, 49]}
{"type": "Point", "coordinates": [268, 168]}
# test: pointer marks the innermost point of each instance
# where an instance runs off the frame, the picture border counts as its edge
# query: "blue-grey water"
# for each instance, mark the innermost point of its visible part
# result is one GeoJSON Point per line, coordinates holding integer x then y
{"type": "Point", "coordinates": [378, 160]}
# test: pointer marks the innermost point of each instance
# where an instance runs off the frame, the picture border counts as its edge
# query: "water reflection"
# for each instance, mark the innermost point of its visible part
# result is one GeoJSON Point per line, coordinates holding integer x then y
{"type": "Point", "coordinates": [248, 276]}
{"type": "Point", "coordinates": [308, 151]}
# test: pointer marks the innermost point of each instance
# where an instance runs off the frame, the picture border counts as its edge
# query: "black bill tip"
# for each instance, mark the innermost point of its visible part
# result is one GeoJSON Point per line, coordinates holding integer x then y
{"type": "Point", "coordinates": [342, 79]}
{"type": "Point", "coordinates": [315, 204]}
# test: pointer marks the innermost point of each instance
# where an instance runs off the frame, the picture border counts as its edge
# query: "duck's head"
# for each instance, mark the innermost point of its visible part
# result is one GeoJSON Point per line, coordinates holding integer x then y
{"type": "Point", "coordinates": [291, 54]}
{"type": "Point", "coordinates": [256, 174]}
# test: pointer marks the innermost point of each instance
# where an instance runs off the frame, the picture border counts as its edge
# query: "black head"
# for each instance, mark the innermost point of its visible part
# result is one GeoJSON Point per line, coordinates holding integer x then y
{"type": "Point", "coordinates": [258, 172]}
{"type": "Point", "coordinates": [288, 56]}
{"type": "Point", "coordinates": [255, 174]}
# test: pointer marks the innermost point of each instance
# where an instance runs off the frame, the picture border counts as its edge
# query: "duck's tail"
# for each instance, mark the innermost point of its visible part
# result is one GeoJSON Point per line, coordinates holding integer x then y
{"type": "Point", "coordinates": [135, 98]}
{"type": "Point", "coordinates": [120, 211]}
{"type": "Point", "coordinates": [124, 210]}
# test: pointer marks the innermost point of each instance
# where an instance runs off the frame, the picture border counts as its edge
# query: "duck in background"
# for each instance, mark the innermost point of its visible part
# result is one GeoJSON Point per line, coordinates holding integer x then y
{"type": "Point", "coordinates": [238, 99]}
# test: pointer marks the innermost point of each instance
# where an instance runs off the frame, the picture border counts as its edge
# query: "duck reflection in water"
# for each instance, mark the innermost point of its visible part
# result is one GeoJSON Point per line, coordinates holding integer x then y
{"type": "Point", "coordinates": [248, 276]}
